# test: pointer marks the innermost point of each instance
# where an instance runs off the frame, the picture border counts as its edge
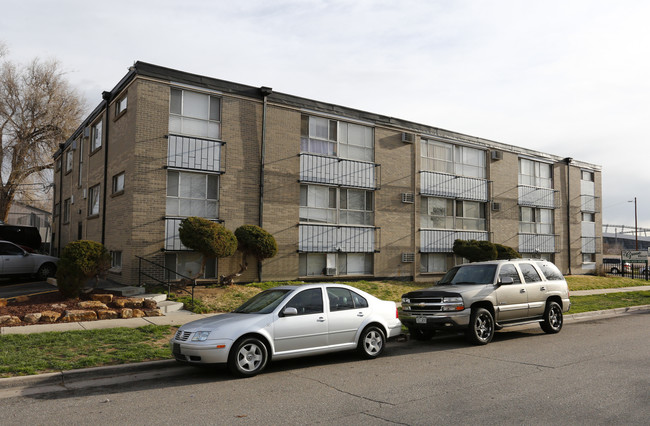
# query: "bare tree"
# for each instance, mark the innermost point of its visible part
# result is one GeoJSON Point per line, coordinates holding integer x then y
{"type": "Point", "coordinates": [38, 111]}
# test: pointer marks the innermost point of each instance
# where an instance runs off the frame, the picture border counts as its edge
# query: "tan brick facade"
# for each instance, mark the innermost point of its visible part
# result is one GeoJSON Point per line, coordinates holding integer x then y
{"type": "Point", "coordinates": [264, 138]}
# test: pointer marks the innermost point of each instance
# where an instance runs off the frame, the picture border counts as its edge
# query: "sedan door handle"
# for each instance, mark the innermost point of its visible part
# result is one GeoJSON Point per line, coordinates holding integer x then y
{"type": "Point", "coordinates": [360, 314]}
{"type": "Point", "coordinates": [320, 319]}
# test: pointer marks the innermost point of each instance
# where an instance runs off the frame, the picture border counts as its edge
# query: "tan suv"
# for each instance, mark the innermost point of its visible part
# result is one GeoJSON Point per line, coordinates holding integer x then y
{"type": "Point", "coordinates": [483, 297]}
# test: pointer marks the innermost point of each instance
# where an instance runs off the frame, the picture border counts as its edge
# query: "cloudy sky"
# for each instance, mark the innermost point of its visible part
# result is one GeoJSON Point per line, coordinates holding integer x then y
{"type": "Point", "coordinates": [567, 77]}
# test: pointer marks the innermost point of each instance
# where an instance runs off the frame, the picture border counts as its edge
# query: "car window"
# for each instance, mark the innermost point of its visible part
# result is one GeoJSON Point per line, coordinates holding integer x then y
{"type": "Point", "coordinates": [470, 274]}
{"type": "Point", "coordinates": [529, 272]}
{"type": "Point", "coordinates": [509, 271]}
{"type": "Point", "coordinates": [10, 250]}
{"type": "Point", "coordinates": [307, 302]}
{"type": "Point", "coordinates": [342, 299]}
{"type": "Point", "coordinates": [550, 271]}
{"type": "Point", "coordinates": [263, 303]}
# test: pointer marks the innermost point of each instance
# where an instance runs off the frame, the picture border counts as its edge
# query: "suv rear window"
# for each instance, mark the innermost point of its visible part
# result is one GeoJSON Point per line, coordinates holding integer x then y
{"type": "Point", "coordinates": [550, 271]}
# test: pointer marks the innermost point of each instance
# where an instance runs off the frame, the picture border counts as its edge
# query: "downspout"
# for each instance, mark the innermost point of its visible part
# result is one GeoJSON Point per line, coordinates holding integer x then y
{"type": "Point", "coordinates": [107, 97]}
{"type": "Point", "coordinates": [266, 91]}
{"type": "Point", "coordinates": [58, 228]}
{"type": "Point", "coordinates": [568, 161]}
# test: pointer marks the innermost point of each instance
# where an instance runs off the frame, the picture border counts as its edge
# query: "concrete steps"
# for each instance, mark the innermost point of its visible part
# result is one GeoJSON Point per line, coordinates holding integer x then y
{"type": "Point", "coordinates": [166, 306]}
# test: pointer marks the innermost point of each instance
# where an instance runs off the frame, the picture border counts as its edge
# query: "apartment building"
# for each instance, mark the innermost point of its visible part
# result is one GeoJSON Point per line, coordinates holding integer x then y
{"type": "Point", "coordinates": [346, 193]}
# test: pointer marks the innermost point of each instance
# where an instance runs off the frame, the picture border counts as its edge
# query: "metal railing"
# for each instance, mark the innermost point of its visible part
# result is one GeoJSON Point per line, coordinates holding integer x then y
{"type": "Point", "coordinates": [452, 186]}
{"type": "Point", "coordinates": [339, 171]}
{"type": "Point", "coordinates": [167, 282]}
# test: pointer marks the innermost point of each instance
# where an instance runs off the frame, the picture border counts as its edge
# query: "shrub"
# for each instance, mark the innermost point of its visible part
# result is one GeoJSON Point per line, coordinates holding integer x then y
{"type": "Point", "coordinates": [209, 238]}
{"type": "Point", "coordinates": [505, 252]}
{"type": "Point", "coordinates": [475, 251]}
{"type": "Point", "coordinates": [255, 241]}
{"type": "Point", "coordinates": [80, 261]}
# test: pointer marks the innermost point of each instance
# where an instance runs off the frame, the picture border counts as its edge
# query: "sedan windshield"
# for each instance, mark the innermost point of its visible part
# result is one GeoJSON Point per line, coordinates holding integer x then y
{"type": "Point", "coordinates": [263, 303]}
{"type": "Point", "coordinates": [469, 274]}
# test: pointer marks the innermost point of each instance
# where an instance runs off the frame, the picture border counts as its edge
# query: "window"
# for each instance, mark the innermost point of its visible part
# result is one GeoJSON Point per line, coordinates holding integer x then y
{"type": "Point", "coordinates": [587, 176]}
{"type": "Point", "coordinates": [116, 260]}
{"type": "Point", "coordinates": [535, 173]}
{"type": "Point", "coordinates": [342, 299]}
{"type": "Point", "coordinates": [436, 262]}
{"type": "Point", "coordinates": [57, 164]}
{"type": "Point", "coordinates": [509, 271]}
{"type": "Point", "coordinates": [93, 200]}
{"type": "Point", "coordinates": [188, 264]}
{"type": "Point", "coordinates": [69, 159]}
{"type": "Point", "coordinates": [588, 257]}
{"type": "Point", "coordinates": [57, 209]}
{"type": "Point", "coordinates": [81, 162]}
{"type": "Point", "coordinates": [535, 221]}
{"type": "Point", "coordinates": [120, 106]}
{"type": "Point", "coordinates": [550, 271]}
{"type": "Point", "coordinates": [192, 194]}
{"type": "Point", "coordinates": [588, 217]}
{"type": "Point", "coordinates": [96, 137]}
{"type": "Point", "coordinates": [8, 249]}
{"type": "Point", "coordinates": [195, 114]}
{"type": "Point", "coordinates": [318, 204]}
{"type": "Point", "coordinates": [319, 264]}
{"type": "Point", "coordinates": [444, 213]}
{"type": "Point", "coordinates": [447, 158]}
{"type": "Point", "coordinates": [328, 137]}
{"type": "Point", "coordinates": [67, 204]}
{"type": "Point", "coordinates": [118, 183]}
{"type": "Point", "coordinates": [307, 302]}
{"type": "Point", "coordinates": [529, 272]}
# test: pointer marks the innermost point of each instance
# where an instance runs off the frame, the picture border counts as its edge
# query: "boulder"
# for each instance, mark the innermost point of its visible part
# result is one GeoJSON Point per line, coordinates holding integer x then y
{"type": "Point", "coordinates": [9, 320]}
{"type": "Point", "coordinates": [104, 298]}
{"type": "Point", "coordinates": [126, 313]}
{"type": "Point", "coordinates": [134, 302]}
{"type": "Point", "coordinates": [137, 313]}
{"type": "Point", "coordinates": [21, 299]}
{"type": "Point", "coordinates": [3, 303]}
{"type": "Point", "coordinates": [76, 315]}
{"type": "Point", "coordinates": [149, 304]}
{"type": "Point", "coordinates": [50, 316]}
{"type": "Point", "coordinates": [153, 312]}
{"type": "Point", "coordinates": [32, 318]}
{"type": "Point", "coordinates": [92, 304]}
{"type": "Point", "coordinates": [107, 314]}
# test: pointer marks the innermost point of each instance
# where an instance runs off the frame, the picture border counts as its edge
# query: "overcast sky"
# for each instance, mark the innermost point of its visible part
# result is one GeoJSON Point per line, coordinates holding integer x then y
{"type": "Point", "coordinates": [567, 77]}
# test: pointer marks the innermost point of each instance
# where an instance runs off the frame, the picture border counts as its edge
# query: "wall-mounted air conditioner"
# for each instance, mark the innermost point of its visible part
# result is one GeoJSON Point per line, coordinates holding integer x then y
{"type": "Point", "coordinates": [408, 197]}
{"type": "Point", "coordinates": [408, 257]}
{"type": "Point", "coordinates": [497, 155]}
{"type": "Point", "coordinates": [408, 137]}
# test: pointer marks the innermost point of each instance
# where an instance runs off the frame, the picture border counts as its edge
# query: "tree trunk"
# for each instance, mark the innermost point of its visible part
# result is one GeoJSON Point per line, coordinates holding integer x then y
{"type": "Point", "coordinates": [225, 280]}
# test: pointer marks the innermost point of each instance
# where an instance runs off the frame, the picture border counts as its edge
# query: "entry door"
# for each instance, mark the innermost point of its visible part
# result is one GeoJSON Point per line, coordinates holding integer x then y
{"type": "Point", "coordinates": [308, 329]}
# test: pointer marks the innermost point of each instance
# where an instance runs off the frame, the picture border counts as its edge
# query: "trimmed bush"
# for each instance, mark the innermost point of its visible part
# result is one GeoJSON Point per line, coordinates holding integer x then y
{"type": "Point", "coordinates": [80, 261]}
{"type": "Point", "coordinates": [475, 251]}
{"type": "Point", "coordinates": [505, 252]}
{"type": "Point", "coordinates": [255, 241]}
{"type": "Point", "coordinates": [209, 238]}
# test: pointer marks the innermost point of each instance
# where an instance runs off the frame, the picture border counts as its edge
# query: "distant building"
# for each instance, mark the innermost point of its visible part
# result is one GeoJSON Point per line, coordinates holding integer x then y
{"type": "Point", "coordinates": [26, 215]}
{"type": "Point", "coordinates": [346, 193]}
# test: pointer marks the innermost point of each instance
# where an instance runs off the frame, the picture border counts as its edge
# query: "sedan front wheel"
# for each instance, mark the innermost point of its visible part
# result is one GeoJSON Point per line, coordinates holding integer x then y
{"type": "Point", "coordinates": [248, 357]}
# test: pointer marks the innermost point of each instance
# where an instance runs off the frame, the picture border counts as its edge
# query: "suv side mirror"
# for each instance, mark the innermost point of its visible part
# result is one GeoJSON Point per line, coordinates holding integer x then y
{"type": "Point", "coordinates": [505, 280]}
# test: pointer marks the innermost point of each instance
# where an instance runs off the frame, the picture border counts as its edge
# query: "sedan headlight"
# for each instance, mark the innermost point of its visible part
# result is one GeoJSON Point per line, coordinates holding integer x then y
{"type": "Point", "coordinates": [200, 336]}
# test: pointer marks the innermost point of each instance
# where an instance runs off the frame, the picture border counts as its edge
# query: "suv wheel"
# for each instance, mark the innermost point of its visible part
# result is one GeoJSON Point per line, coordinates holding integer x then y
{"type": "Point", "coordinates": [552, 318]}
{"type": "Point", "coordinates": [481, 327]}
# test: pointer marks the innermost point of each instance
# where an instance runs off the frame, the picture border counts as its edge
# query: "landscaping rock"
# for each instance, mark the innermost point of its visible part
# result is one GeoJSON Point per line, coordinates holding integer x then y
{"type": "Point", "coordinates": [50, 316]}
{"type": "Point", "coordinates": [32, 318]}
{"type": "Point", "coordinates": [153, 312]}
{"type": "Point", "coordinates": [92, 304]}
{"type": "Point", "coordinates": [137, 313]}
{"type": "Point", "coordinates": [126, 313]}
{"type": "Point", "coordinates": [21, 299]}
{"type": "Point", "coordinates": [3, 303]}
{"type": "Point", "coordinates": [149, 304]}
{"type": "Point", "coordinates": [76, 315]}
{"type": "Point", "coordinates": [132, 303]}
{"type": "Point", "coordinates": [9, 320]}
{"type": "Point", "coordinates": [107, 314]}
{"type": "Point", "coordinates": [104, 298]}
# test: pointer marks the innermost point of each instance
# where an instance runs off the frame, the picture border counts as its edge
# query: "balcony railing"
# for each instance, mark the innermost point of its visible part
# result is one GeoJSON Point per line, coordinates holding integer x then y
{"type": "Point", "coordinates": [442, 240]}
{"type": "Point", "coordinates": [452, 186]}
{"type": "Point", "coordinates": [338, 171]}
{"type": "Point", "coordinates": [589, 245]}
{"type": "Point", "coordinates": [537, 243]}
{"type": "Point", "coordinates": [172, 239]}
{"type": "Point", "coordinates": [533, 196]}
{"type": "Point", "coordinates": [337, 238]}
{"type": "Point", "coordinates": [189, 153]}
{"type": "Point", "coordinates": [588, 203]}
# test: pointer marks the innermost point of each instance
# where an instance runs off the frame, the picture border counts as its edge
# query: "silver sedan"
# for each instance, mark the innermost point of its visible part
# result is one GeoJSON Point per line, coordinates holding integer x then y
{"type": "Point", "coordinates": [288, 322]}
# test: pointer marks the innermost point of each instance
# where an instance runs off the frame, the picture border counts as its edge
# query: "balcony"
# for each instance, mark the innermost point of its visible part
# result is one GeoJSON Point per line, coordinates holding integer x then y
{"type": "Point", "coordinates": [532, 196]}
{"type": "Point", "coordinates": [338, 171]}
{"type": "Point", "coordinates": [442, 240]}
{"type": "Point", "coordinates": [588, 204]}
{"type": "Point", "coordinates": [537, 243]}
{"type": "Point", "coordinates": [452, 186]}
{"type": "Point", "coordinates": [337, 238]}
{"type": "Point", "coordinates": [188, 153]}
{"type": "Point", "coordinates": [172, 239]}
{"type": "Point", "coordinates": [589, 245]}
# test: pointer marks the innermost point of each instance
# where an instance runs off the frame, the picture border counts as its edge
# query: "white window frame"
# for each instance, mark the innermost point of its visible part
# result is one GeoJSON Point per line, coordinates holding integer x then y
{"type": "Point", "coordinates": [187, 117]}
{"type": "Point", "coordinates": [442, 157]}
{"type": "Point", "coordinates": [94, 196]}
{"type": "Point", "coordinates": [535, 173]}
{"type": "Point", "coordinates": [331, 205]}
{"type": "Point", "coordinates": [118, 183]}
{"type": "Point", "coordinates": [452, 214]}
{"type": "Point", "coordinates": [188, 204]}
{"type": "Point", "coordinates": [316, 264]}
{"type": "Point", "coordinates": [531, 220]}
{"type": "Point", "coordinates": [342, 139]}
{"type": "Point", "coordinates": [67, 209]}
{"type": "Point", "coordinates": [69, 160]}
{"type": "Point", "coordinates": [120, 105]}
{"type": "Point", "coordinates": [81, 162]}
{"type": "Point", "coordinates": [96, 136]}
{"type": "Point", "coordinates": [116, 259]}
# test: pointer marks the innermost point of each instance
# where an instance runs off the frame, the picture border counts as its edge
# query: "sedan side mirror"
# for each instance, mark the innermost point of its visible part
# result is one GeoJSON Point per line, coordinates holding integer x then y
{"type": "Point", "coordinates": [290, 312]}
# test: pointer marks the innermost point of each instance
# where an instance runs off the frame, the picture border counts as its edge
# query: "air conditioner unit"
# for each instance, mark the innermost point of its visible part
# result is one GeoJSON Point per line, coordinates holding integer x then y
{"type": "Point", "coordinates": [330, 271]}
{"type": "Point", "coordinates": [74, 145]}
{"type": "Point", "coordinates": [83, 194]}
{"type": "Point", "coordinates": [408, 137]}
{"type": "Point", "coordinates": [497, 155]}
{"type": "Point", "coordinates": [408, 257]}
{"type": "Point", "coordinates": [496, 207]}
{"type": "Point", "coordinates": [72, 199]}
{"type": "Point", "coordinates": [87, 132]}
{"type": "Point", "coordinates": [408, 197]}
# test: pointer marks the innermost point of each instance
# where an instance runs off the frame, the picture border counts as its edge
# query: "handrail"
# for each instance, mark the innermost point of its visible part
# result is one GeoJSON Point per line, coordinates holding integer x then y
{"type": "Point", "coordinates": [168, 283]}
